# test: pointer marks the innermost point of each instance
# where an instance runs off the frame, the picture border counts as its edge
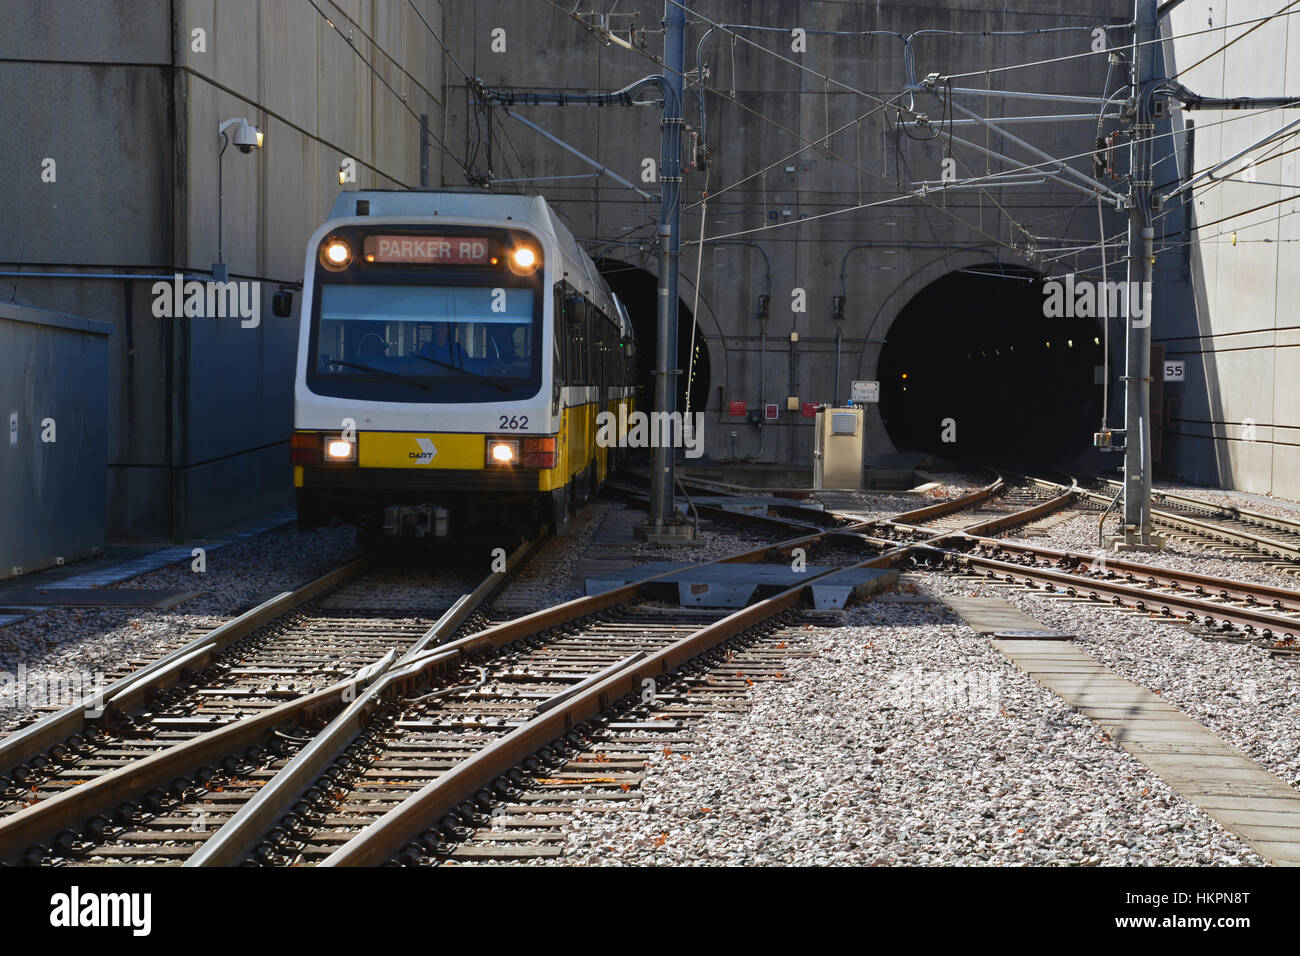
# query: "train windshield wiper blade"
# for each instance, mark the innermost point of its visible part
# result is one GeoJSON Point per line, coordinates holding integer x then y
{"type": "Point", "coordinates": [383, 371]}
{"type": "Point", "coordinates": [457, 368]}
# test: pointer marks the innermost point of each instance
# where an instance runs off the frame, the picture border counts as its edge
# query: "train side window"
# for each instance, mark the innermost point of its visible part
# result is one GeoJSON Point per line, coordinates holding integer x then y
{"type": "Point", "coordinates": [606, 353]}
{"type": "Point", "coordinates": [592, 330]}
{"type": "Point", "coordinates": [561, 324]}
{"type": "Point", "coordinates": [575, 310]}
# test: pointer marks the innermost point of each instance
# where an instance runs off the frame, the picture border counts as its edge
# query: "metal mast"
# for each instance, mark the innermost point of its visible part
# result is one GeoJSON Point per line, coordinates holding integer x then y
{"type": "Point", "coordinates": [1137, 365]}
{"type": "Point", "coordinates": [670, 181]}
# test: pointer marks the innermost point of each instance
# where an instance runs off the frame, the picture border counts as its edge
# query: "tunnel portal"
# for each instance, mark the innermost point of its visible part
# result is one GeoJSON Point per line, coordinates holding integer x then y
{"type": "Point", "coordinates": [972, 370]}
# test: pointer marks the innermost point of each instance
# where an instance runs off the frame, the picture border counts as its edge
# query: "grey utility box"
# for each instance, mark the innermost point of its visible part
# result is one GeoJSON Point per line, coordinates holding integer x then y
{"type": "Point", "coordinates": [837, 449]}
{"type": "Point", "coordinates": [54, 442]}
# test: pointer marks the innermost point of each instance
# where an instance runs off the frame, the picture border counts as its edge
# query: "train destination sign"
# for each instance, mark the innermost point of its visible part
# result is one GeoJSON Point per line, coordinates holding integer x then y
{"type": "Point", "coordinates": [428, 250]}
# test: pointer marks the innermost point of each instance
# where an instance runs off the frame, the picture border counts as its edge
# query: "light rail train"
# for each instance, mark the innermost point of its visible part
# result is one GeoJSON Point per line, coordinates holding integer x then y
{"type": "Point", "coordinates": [454, 350]}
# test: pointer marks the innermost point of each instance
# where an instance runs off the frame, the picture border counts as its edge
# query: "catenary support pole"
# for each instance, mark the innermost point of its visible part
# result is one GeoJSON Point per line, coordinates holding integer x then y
{"type": "Point", "coordinates": [670, 179]}
{"type": "Point", "coordinates": [1137, 365]}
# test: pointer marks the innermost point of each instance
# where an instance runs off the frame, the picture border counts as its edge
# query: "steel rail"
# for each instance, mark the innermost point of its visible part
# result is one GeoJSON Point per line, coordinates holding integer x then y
{"type": "Point", "coordinates": [385, 837]}
{"type": "Point", "coordinates": [1246, 514]}
{"type": "Point", "coordinates": [1217, 532]}
{"type": "Point", "coordinates": [1151, 573]}
{"type": "Point", "coordinates": [71, 808]}
{"type": "Point", "coordinates": [427, 656]}
{"type": "Point", "coordinates": [1204, 611]}
{"type": "Point", "coordinates": [1002, 522]}
{"type": "Point", "coordinates": [65, 810]}
{"type": "Point", "coordinates": [235, 839]}
{"type": "Point", "coordinates": [130, 691]}
{"type": "Point", "coordinates": [946, 507]}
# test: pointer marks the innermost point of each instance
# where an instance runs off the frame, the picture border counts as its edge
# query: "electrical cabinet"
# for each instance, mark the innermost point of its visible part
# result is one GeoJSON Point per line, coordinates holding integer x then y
{"type": "Point", "coordinates": [837, 449]}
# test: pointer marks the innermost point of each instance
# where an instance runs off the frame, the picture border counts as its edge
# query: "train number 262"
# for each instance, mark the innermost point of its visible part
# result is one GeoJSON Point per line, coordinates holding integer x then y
{"type": "Point", "coordinates": [514, 421]}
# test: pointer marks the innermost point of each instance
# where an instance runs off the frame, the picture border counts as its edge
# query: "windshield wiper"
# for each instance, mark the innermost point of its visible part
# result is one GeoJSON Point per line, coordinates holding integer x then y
{"type": "Point", "coordinates": [457, 368]}
{"type": "Point", "coordinates": [383, 371]}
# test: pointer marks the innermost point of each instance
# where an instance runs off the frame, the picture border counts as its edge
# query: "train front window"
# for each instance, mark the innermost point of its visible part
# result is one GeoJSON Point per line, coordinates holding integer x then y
{"type": "Point", "coordinates": [424, 343]}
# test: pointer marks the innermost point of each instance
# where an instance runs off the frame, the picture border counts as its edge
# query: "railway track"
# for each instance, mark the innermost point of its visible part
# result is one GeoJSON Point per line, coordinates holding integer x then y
{"type": "Point", "coordinates": [1267, 615]}
{"type": "Point", "coordinates": [284, 663]}
{"type": "Point", "coordinates": [475, 748]}
{"type": "Point", "coordinates": [439, 730]}
{"type": "Point", "coordinates": [1239, 532]}
{"type": "Point", "coordinates": [1226, 608]}
{"type": "Point", "coordinates": [1225, 528]}
{"type": "Point", "coordinates": [186, 798]}
{"type": "Point", "coordinates": [1229, 609]}
{"type": "Point", "coordinates": [237, 667]}
{"type": "Point", "coordinates": [988, 510]}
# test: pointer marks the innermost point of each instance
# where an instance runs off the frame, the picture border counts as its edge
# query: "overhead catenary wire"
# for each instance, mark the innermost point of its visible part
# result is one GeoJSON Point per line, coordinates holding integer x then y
{"type": "Point", "coordinates": [695, 307]}
{"type": "Point", "coordinates": [803, 139]}
{"type": "Point", "coordinates": [827, 79]}
{"type": "Point", "coordinates": [388, 86]}
{"type": "Point", "coordinates": [822, 144]}
{"type": "Point", "coordinates": [1075, 56]}
{"type": "Point", "coordinates": [1239, 36]}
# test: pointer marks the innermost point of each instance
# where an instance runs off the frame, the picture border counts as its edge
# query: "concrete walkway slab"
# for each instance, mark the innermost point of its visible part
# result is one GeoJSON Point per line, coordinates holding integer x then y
{"type": "Point", "coordinates": [988, 615]}
{"type": "Point", "coordinates": [1224, 783]}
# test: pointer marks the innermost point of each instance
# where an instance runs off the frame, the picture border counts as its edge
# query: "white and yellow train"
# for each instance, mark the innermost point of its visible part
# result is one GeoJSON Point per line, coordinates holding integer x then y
{"type": "Point", "coordinates": [454, 351]}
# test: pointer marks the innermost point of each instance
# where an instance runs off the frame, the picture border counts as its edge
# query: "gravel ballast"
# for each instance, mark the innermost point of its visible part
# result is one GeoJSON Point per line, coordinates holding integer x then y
{"type": "Point", "coordinates": [907, 740]}
{"type": "Point", "coordinates": [62, 650]}
{"type": "Point", "coordinates": [1247, 698]}
{"type": "Point", "coordinates": [60, 654]}
{"type": "Point", "coordinates": [1079, 533]}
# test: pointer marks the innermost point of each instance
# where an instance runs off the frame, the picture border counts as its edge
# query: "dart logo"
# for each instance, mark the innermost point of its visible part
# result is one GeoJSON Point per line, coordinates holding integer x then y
{"type": "Point", "coordinates": [425, 455]}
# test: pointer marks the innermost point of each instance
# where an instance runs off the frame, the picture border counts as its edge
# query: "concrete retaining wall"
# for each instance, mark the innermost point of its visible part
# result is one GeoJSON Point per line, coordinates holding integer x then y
{"type": "Point", "coordinates": [126, 97]}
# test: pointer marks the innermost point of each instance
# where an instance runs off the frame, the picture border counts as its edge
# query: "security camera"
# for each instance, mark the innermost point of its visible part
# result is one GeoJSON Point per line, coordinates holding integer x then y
{"type": "Point", "coordinates": [244, 135]}
{"type": "Point", "coordinates": [247, 138]}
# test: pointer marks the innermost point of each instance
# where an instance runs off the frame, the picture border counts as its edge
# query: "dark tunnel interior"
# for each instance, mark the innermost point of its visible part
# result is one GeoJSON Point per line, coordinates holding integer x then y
{"type": "Point", "coordinates": [639, 291]}
{"type": "Point", "coordinates": [972, 371]}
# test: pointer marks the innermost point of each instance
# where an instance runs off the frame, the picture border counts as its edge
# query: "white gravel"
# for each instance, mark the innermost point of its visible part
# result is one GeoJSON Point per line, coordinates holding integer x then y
{"type": "Point", "coordinates": [908, 740]}
{"type": "Point", "coordinates": [1264, 504]}
{"type": "Point", "coordinates": [555, 573]}
{"type": "Point", "coordinates": [65, 650]}
{"type": "Point", "coordinates": [59, 655]}
{"type": "Point", "coordinates": [1249, 699]}
{"type": "Point", "coordinates": [1079, 533]}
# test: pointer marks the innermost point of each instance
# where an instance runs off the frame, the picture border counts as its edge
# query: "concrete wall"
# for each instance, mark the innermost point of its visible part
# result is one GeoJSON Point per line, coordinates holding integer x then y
{"type": "Point", "coordinates": [1238, 325]}
{"type": "Point", "coordinates": [121, 96]}
{"type": "Point", "coordinates": [752, 188]}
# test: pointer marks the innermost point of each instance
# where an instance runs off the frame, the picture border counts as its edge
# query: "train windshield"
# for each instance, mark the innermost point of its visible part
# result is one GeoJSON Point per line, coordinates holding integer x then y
{"type": "Point", "coordinates": [425, 343]}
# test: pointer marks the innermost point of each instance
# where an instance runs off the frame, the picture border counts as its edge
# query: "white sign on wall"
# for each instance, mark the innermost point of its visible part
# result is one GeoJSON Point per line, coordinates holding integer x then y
{"type": "Point", "coordinates": [1174, 370]}
{"type": "Point", "coordinates": [865, 392]}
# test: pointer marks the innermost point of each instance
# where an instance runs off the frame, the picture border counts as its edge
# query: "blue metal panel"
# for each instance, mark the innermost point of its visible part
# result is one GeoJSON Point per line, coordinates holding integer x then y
{"type": "Point", "coordinates": [54, 444]}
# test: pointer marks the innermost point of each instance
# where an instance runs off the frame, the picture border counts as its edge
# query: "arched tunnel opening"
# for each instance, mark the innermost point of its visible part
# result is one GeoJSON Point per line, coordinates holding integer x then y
{"type": "Point", "coordinates": [639, 291]}
{"type": "Point", "coordinates": [973, 371]}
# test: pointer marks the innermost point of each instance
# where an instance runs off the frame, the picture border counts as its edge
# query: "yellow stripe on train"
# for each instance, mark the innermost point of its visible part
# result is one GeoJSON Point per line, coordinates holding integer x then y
{"type": "Point", "coordinates": [416, 450]}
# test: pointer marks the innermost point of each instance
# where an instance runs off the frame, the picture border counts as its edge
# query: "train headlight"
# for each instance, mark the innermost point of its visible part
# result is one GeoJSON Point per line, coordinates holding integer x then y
{"type": "Point", "coordinates": [340, 449]}
{"type": "Point", "coordinates": [524, 260]}
{"type": "Point", "coordinates": [502, 451]}
{"type": "Point", "coordinates": [335, 254]}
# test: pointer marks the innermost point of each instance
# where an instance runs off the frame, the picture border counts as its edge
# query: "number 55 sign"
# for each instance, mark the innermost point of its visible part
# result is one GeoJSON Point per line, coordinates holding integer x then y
{"type": "Point", "coordinates": [1174, 371]}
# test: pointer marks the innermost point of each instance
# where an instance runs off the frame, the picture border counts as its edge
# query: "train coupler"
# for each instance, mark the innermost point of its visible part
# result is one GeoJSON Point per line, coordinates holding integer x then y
{"type": "Point", "coordinates": [418, 521]}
